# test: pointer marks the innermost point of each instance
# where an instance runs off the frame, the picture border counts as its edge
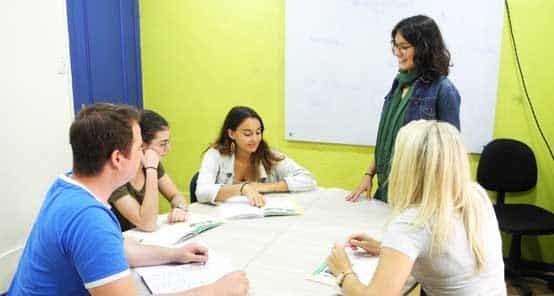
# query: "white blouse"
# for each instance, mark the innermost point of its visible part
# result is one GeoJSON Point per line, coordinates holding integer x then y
{"type": "Point", "coordinates": [218, 170]}
{"type": "Point", "coordinates": [452, 271]}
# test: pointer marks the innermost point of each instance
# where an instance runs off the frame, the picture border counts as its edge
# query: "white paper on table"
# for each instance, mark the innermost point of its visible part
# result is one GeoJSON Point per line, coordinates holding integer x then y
{"type": "Point", "coordinates": [170, 234]}
{"type": "Point", "coordinates": [363, 265]}
{"type": "Point", "coordinates": [238, 207]}
{"type": "Point", "coordinates": [174, 278]}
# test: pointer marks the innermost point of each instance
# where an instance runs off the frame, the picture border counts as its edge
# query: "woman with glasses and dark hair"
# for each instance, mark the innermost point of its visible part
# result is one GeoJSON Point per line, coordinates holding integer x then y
{"type": "Point", "coordinates": [136, 203]}
{"type": "Point", "coordinates": [420, 90]}
{"type": "Point", "coordinates": [240, 162]}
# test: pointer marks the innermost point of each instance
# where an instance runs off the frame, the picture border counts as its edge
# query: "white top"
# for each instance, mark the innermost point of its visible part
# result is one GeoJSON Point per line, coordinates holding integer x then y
{"type": "Point", "coordinates": [451, 272]}
{"type": "Point", "coordinates": [218, 170]}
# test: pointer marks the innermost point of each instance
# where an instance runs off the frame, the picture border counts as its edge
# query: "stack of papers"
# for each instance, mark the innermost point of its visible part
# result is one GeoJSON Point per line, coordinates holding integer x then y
{"type": "Point", "coordinates": [173, 234]}
{"type": "Point", "coordinates": [174, 278]}
{"type": "Point", "coordinates": [239, 208]}
{"type": "Point", "coordinates": [363, 265]}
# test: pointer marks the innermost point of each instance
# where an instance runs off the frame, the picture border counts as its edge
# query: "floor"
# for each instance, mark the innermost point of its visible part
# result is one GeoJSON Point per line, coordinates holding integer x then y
{"type": "Point", "coordinates": [539, 288]}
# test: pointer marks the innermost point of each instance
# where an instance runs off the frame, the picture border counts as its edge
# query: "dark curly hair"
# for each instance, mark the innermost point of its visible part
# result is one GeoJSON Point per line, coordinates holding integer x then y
{"type": "Point", "coordinates": [432, 58]}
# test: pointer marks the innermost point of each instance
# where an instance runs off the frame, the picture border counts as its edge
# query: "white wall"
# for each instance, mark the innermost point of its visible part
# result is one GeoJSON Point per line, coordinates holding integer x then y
{"type": "Point", "coordinates": [36, 111]}
{"type": "Point", "coordinates": [339, 65]}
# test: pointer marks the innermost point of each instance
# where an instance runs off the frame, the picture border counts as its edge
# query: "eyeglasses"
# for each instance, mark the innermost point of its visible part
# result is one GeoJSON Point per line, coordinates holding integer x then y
{"type": "Point", "coordinates": [402, 49]}
{"type": "Point", "coordinates": [164, 145]}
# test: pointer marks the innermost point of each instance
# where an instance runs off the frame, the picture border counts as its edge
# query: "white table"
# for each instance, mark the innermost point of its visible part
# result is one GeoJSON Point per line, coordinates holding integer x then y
{"type": "Point", "coordinates": [277, 253]}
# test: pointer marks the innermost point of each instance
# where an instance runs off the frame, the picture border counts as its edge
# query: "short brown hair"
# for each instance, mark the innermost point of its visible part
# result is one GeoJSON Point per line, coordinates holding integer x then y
{"type": "Point", "coordinates": [96, 132]}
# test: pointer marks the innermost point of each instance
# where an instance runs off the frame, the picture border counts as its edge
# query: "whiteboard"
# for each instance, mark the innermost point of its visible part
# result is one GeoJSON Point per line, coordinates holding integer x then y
{"type": "Point", "coordinates": [339, 65]}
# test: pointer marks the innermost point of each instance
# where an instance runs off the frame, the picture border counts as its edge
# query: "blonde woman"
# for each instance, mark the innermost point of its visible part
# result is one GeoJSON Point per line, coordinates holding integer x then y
{"type": "Point", "coordinates": [443, 231]}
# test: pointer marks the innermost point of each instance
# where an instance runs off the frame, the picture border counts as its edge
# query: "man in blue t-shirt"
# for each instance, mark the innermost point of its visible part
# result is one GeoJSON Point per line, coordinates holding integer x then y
{"type": "Point", "coordinates": [75, 246]}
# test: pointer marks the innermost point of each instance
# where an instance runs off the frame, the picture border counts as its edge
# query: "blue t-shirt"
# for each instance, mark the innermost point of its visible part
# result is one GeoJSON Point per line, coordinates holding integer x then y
{"type": "Point", "coordinates": [75, 244]}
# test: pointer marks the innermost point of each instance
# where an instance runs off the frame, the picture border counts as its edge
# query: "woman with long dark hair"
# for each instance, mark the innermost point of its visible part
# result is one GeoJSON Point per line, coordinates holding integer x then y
{"type": "Point", "coordinates": [421, 90]}
{"type": "Point", "coordinates": [240, 162]}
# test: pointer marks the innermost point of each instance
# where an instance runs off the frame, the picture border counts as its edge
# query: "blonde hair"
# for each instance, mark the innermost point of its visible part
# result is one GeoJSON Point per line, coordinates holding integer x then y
{"type": "Point", "coordinates": [430, 171]}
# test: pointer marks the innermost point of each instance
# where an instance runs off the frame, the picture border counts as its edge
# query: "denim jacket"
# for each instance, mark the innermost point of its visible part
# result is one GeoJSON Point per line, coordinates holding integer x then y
{"type": "Point", "coordinates": [218, 170]}
{"type": "Point", "coordinates": [438, 100]}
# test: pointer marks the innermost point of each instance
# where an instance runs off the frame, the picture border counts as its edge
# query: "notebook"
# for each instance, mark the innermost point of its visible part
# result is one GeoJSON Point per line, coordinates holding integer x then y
{"type": "Point", "coordinates": [238, 207]}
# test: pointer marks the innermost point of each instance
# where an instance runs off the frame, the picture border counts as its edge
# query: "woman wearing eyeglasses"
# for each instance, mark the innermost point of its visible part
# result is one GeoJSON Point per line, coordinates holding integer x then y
{"type": "Point", "coordinates": [135, 204]}
{"type": "Point", "coordinates": [420, 90]}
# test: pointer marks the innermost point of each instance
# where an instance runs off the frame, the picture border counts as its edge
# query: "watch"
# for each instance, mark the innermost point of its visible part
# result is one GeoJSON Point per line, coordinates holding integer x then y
{"type": "Point", "coordinates": [181, 206]}
{"type": "Point", "coordinates": [342, 276]}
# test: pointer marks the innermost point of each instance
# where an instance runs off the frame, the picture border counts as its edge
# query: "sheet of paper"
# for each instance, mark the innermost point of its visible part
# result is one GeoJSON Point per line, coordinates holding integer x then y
{"type": "Point", "coordinates": [363, 265]}
{"type": "Point", "coordinates": [173, 278]}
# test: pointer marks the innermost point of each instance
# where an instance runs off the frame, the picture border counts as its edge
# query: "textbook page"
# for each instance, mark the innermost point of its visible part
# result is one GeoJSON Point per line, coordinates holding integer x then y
{"type": "Point", "coordinates": [171, 234]}
{"type": "Point", "coordinates": [173, 278]}
{"type": "Point", "coordinates": [238, 207]}
{"type": "Point", "coordinates": [363, 265]}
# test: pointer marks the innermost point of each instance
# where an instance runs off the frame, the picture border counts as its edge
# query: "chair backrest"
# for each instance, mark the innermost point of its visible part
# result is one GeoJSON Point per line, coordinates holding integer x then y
{"type": "Point", "coordinates": [192, 188]}
{"type": "Point", "coordinates": [507, 165]}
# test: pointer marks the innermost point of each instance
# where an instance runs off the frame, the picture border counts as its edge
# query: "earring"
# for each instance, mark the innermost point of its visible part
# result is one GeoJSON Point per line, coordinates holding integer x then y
{"type": "Point", "coordinates": [233, 146]}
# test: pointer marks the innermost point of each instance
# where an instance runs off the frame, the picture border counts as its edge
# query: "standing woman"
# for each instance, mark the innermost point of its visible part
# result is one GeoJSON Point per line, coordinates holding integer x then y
{"type": "Point", "coordinates": [443, 230]}
{"type": "Point", "coordinates": [421, 90]}
{"type": "Point", "coordinates": [240, 162]}
{"type": "Point", "coordinates": [136, 203]}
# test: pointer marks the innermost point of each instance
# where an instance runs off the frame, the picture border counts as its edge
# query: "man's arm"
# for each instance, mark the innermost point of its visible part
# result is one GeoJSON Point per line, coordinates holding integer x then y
{"type": "Point", "coordinates": [232, 284]}
{"type": "Point", "coordinates": [123, 286]}
{"type": "Point", "coordinates": [142, 255]}
{"type": "Point", "coordinates": [126, 287]}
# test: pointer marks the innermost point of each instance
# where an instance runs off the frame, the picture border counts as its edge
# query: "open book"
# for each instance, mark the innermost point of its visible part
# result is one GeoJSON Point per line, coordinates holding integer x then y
{"type": "Point", "coordinates": [173, 234]}
{"type": "Point", "coordinates": [173, 278]}
{"type": "Point", "coordinates": [238, 207]}
{"type": "Point", "coordinates": [363, 265]}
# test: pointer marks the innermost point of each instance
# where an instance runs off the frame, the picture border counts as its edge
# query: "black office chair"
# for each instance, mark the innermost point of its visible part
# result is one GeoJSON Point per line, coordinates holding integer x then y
{"type": "Point", "coordinates": [192, 188]}
{"type": "Point", "coordinates": [509, 166]}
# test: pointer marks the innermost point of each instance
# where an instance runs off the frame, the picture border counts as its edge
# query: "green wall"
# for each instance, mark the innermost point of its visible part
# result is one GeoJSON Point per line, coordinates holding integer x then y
{"type": "Point", "coordinates": [202, 57]}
